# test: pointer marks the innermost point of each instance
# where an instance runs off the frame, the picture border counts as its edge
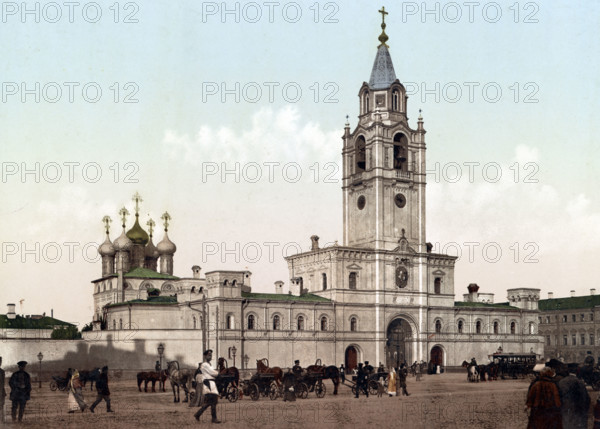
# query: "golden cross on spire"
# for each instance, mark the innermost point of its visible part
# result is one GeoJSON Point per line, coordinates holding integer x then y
{"type": "Point", "coordinates": [383, 37]}
{"type": "Point", "coordinates": [151, 225]}
{"type": "Point", "coordinates": [124, 213]}
{"type": "Point", "coordinates": [166, 217]}
{"type": "Point", "coordinates": [383, 14]}
{"type": "Point", "coordinates": [138, 199]}
{"type": "Point", "coordinates": [106, 220]}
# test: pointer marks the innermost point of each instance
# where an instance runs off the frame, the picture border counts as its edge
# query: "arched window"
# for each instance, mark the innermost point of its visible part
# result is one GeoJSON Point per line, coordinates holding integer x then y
{"type": "Point", "coordinates": [513, 328]}
{"type": "Point", "coordinates": [400, 151]}
{"type": "Point", "coordinates": [276, 322]}
{"type": "Point", "coordinates": [225, 283]}
{"type": "Point", "coordinates": [478, 327]}
{"type": "Point", "coordinates": [300, 323]}
{"type": "Point", "coordinates": [495, 327]}
{"type": "Point", "coordinates": [194, 321]}
{"type": "Point", "coordinates": [230, 321]}
{"type": "Point", "coordinates": [251, 321]}
{"type": "Point", "coordinates": [324, 277]}
{"type": "Point", "coordinates": [460, 326]}
{"type": "Point", "coordinates": [531, 328]}
{"type": "Point", "coordinates": [352, 281]}
{"type": "Point", "coordinates": [323, 323]}
{"type": "Point", "coordinates": [438, 326]}
{"type": "Point", "coordinates": [120, 323]}
{"type": "Point", "coordinates": [114, 325]}
{"type": "Point", "coordinates": [353, 324]}
{"type": "Point", "coordinates": [437, 286]}
{"type": "Point", "coordinates": [361, 154]}
{"type": "Point", "coordinates": [366, 103]}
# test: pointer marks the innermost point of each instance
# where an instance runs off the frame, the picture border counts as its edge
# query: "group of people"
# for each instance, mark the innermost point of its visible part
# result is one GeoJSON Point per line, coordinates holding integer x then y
{"type": "Point", "coordinates": [20, 391]}
{"type": "Point", "coordinates": [396, 380]}
{"type": "Point", "coordinates": [557, 401]}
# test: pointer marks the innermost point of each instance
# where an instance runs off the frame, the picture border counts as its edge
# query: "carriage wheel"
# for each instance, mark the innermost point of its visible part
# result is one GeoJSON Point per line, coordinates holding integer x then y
{"type": "Point", "coordinates": [320, 389]}
{"type": "Point", "coordinates": [273, 391]}
{"type": "Point", "coordinates": [53, 385]}
{"type": "Point", "coordinates": [233, 394]}
{"type": "Point", "coordinates": [63, 387]}
{"type": "Point", "coordinates": [373, 387]}
{"type": "Point", "coordinates": [301, 390]}
{"type": "Point", "coordinates": [254, 392]}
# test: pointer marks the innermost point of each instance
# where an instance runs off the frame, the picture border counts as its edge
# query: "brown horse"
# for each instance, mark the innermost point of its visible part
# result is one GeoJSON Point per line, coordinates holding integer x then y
{"type": "Point", "coordinates": [262, 367]}
{"type": "Point", "coordinates": [326, 372]}
{"type": "Point", "coordinates": [153, 377]}
{"type": "Point", "coordinates": [226, 370]}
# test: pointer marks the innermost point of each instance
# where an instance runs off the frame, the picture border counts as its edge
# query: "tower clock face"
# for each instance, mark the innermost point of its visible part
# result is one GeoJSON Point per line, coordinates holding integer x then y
{"type": "Point", "coordinates": [400, 200]}
{"type": "Point", "coordinates": [401, 276]}
{"type": "Point", "coordinates": [361, 202]}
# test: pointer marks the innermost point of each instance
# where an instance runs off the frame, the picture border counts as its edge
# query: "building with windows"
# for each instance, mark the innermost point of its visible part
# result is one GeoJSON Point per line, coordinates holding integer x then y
{"type": "Point", "coordinates": [569, 326]}
{"type": "Point", "coordinates": [382, 295]}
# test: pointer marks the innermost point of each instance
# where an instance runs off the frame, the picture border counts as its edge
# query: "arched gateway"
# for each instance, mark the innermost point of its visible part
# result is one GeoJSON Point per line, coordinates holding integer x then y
{"type": "Point", "coordinates": [351, 358]}
{"type": "Point", "coordinates": [398, 343]}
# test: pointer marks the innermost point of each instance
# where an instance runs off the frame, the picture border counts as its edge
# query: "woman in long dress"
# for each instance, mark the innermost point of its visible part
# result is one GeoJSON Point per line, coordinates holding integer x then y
{"type": "Point", "coordinates": [75, 400]}
{"type": "Point", "coordinates": [391, 382]}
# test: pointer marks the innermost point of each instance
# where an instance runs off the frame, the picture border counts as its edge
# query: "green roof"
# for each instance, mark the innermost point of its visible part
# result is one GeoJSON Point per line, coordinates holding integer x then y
{"type": "Point", "coordinates": [285, 297]}
{"type": "Point", "coordinates": [504, 305]}
{"type": "Point", "coordinates": [587, 301]}
{"type": "Point", "coordinates": [147, 273]}
{"type": "Point", "coordinates": [28, 323]}
{"type": "Point", "coordinates": [152, 300]}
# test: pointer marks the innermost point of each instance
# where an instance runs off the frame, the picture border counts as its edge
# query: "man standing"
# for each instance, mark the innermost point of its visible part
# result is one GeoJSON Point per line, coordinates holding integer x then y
{"type": "Point", "coordinates": [2, 392]}
{"type": "Point", "coordinates": [20, 388]}
{"type": "Point", "coordinates": [343, 373]}
{"type": "Point", "coordinates": [103, 391]}
{"type": "Point", "coordinates": [402, 374]}
{"type": "Point", "coordinates": [574, 401]}
{"type": "Point", "coordinates": [361, 384]}
{"type": "Point", "coordinates": [297, 369]}
{"type": "Point", "coordinates": [211, 394]}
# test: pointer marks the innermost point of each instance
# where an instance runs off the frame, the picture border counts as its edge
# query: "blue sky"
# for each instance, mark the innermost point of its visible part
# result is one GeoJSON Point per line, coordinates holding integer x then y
{"type": "Point", "coordinates": [172, 60]}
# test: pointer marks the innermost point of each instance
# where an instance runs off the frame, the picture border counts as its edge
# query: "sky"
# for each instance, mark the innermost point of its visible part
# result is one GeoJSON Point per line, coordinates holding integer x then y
{"type": "Point", "coordinates": [229, 115]}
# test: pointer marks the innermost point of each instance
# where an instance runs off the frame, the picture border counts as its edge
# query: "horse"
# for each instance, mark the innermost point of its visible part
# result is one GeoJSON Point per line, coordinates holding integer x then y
{"type": "Point", "coordinates": [91, 376]}
{"type": "Point", "coordinates": [331, 372]}
{"type": "Point", "coordinates": [262, 367]}
{"type": "Point", "coordinates": [179, 377]}
{"type": "Point", "coordinates": [153, 377]}
{"type": "Point", "coordinates": [224, 369]}
{"type": "Point", "coordinates": [472, 374]}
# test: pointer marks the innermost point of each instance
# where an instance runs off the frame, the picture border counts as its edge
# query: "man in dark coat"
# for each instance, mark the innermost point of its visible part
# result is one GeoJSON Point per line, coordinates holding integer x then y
{"type": "Point", "coordinates": [544, 401]}
{"type": "Point", "coordinates": [102, 390]}
{"type": "Point", "coordinates": [343, 373]}
{"type": "Point", "coordinates": [2, 392]}
{"type": "Point", "coordinates": [402, 374]}
{"type": "Point", "coordinates": [297, 369]}
{"type": "Point", "coordinates": [361, 381]}
{"type": "Point", "coordinates": [289, 380]}
{"type": "Point", "coordinates": [20, 388]}
{"type": "Point", "coordinates": [574, 402]}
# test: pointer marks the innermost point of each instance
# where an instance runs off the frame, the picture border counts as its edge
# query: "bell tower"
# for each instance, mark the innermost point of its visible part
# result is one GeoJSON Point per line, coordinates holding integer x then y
{"type": "Point", "coordinates": [384, 164]}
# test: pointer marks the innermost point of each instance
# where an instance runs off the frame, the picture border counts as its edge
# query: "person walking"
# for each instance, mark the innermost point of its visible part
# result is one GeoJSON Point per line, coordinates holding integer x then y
{"type": "Point", "coordinates": [20, 389]}
{"type": "Point", "coordinates": [544, 401]}
{"type": "Point", "coordinates": [75, 400]}
{"type": "Point", "coordinates": [343, 373]}
{"type": "Point", "coordinates": [103, 392]}
{"type": "Point", "coordinates": [2, 391]}
{"type": "Point", "coordinates": [380, 386]}
{"type": "Point", "coordinates": [211, 394]}
{"type": "Point", "coordinates": [198, 379]}
{"type": "Point", "coordinates": [418, 372]}
{"type": "Point", "coordinates": [402, 374]}
{"type": "Point", "coordinates": [391, 382]}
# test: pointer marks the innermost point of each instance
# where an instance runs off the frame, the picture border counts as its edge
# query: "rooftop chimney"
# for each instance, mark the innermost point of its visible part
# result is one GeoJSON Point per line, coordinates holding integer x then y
{"type": "Point", "coordinates": [278, 287]}
{"type": "Point", "coordinates": [550, 295]}
{"type": "Point", "coordinates": [11, 311]}
{"type": "Point", "coordinates": [572, 293]}
{"type": "Point", "coordinates": [196, 270]}
{"type": "Point", "coordinates": [592, 291]}
{"type": "Point", "coordinates": [315, 242]}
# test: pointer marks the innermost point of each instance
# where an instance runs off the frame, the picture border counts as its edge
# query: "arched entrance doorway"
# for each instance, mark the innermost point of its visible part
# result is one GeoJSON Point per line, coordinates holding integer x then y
{"type": "Point", "coordinates": [351, 358]}
{"type": "Point", "coordinates": [398, 343]}
{"type": "Point", "coordinates": [436, 357]}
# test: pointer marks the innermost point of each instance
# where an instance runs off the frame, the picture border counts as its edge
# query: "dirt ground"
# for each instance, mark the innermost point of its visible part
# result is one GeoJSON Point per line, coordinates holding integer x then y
{"type": "Point", "coordinates": [437, 401]}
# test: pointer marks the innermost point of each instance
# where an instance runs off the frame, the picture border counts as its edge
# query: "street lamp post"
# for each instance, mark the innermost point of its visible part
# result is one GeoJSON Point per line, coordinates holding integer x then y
{"type": "Point", "coordinates": [40, 356]}
{"type": "Point", "coordinates": [233, 352]}
{"type": "Point", "coordinates": [161, 350]}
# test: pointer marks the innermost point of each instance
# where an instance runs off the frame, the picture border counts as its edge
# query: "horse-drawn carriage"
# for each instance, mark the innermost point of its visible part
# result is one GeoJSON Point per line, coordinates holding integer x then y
{"type": "Point", "coordinates": [514, 365]}
{"type": "Point", "coordinates": [261, 385]}
{"type": "Point", "coordinates": [58, 382]}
